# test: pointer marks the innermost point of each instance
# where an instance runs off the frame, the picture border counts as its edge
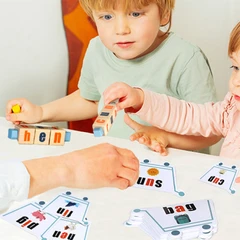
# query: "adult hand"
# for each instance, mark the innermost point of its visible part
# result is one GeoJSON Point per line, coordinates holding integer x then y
{"type": "Point", "coordinates": [103, 165]}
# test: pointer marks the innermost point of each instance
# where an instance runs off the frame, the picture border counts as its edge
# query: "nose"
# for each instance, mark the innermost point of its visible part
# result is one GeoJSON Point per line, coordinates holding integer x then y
{"type": "Point", "coordinates": [122, 26]}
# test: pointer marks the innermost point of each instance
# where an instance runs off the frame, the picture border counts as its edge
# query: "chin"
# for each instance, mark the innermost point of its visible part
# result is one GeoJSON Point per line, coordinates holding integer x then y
{"type": "Point", "coordinates": [127, 56]}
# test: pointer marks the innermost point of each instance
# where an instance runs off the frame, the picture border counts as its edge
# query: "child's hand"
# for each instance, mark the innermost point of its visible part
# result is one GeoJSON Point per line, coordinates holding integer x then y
{"type": "Point", "coordinates": [30, 113]}
{"type": "Point", "coordinates": [153, 137]}
{"type": "Point", "coordinates": [130, 99]}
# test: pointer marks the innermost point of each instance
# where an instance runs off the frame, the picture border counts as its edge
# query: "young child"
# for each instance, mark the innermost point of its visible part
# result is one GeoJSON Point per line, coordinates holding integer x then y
{"type": "Point", "coordinates": [130, 48]}
{"type": "Point", "coordinates": [178, 116]}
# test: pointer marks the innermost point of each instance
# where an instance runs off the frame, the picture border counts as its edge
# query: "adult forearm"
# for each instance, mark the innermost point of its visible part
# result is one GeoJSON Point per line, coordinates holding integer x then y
{"type": "Point", "coordinates": [45, 174]}
{"type": "Point", "coordinates": [69, 108]}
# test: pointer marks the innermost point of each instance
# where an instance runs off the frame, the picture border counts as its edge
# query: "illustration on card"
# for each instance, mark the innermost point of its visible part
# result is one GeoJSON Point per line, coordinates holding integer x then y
{"type": "Point", "coordinates": [30, 218]}
{"type": "Point", "coordinates": [189, 220]}
{"type": "Point", "coordinates": [157, 177]}
{"type": "Point", "coordinates": [62, 218]}
{"type": "Point", "coordinates": [221, 176]}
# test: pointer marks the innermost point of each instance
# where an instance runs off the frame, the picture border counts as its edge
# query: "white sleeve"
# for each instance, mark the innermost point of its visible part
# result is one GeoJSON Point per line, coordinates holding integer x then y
{"type": "Point", "coordinates": [14, 183]}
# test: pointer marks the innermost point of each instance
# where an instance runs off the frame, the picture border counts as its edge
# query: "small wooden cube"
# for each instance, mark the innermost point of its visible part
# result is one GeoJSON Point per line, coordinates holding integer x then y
{"type": "Point", "coordinates": [42, 135]}
{"type": "Point", "coordinates": [103, 123]}
{"type": "Point", "coordinates": [26, 134]}
{"type": "Point", "coordinates": [57, 136]}
{"type": "Point", "coordinates": [104, 120]}
{"type": "Point", "coordinates": [16, 109]}
{"type": "Point", "coordinates": [13, 133]}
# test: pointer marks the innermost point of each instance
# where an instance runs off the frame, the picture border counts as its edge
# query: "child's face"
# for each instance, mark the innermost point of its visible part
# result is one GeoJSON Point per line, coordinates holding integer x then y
{"type": "Point", "coordinates": [129, 35]}
{"type": "Point", "coordinates": [234, 82]}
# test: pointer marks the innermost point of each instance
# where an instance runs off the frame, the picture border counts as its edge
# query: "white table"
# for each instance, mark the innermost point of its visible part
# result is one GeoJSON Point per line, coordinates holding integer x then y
{"type": "Point", "coordinates": [109, 208]}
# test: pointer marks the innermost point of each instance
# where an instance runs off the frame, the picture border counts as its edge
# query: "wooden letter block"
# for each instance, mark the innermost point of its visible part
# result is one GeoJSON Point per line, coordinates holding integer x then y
{"type": "Point", "coordinates": [102, 125]}
{"type": "Point", "coordinates": [57, 137]}
{"type": "Point", "coordinates": [26, 134]}
{"type": "Point", "coordinates": [42, 135]}
{"type": "Point", "coordinates": [104, 120]}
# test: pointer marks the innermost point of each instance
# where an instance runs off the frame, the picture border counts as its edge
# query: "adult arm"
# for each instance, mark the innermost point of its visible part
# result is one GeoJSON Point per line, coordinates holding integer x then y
{"type": "Point", "coordinates": [14, 183]}
{"type": "Point", "coordinates": [103, 165]}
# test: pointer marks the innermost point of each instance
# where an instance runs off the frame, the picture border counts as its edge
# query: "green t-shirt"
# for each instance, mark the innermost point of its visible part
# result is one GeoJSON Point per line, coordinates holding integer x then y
{"type": "Point", "coordinates": [176, 68]}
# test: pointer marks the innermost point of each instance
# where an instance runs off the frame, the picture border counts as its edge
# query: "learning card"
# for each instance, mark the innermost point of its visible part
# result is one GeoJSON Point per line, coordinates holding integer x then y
{"type": "Point", "coordinates": [62, 218]}
{"type": "Point", "coordinates": [157, 177]}
{"type": "Point", "coordinates": [30, 218]}
{"type": "Point", "coordinates": [66, 229]}
{"type": "Point", "coordinates": [68, 206]}
{"type": "Point", "coordinates": [189, 220]}
{"type": "Point", "coordinates": [221, 176]}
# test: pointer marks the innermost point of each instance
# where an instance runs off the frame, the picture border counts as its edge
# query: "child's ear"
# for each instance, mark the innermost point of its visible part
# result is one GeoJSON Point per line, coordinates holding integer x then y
{"type": "Point", "coordinates": [165, 19]}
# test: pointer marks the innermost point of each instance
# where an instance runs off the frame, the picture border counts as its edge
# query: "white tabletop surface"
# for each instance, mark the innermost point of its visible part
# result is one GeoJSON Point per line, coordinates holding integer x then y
{"type": "Point", "coordinates": [109, 208]}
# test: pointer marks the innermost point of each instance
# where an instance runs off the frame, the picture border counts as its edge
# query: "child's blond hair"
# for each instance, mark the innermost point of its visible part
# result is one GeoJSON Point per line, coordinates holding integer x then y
{"type": "Point", "coordinates": [234, 42]}
{"type": "Point", "coordinates": [165, 6]}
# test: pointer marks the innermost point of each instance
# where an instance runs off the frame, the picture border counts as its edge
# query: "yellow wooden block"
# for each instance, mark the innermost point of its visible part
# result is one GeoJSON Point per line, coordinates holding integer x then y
{"type": "Point", "coordinates": [26, 134]}
{"type": "Point", "coordinates": [57, 136]}
{"type": "Point", "coordinates": [16, 108]}
{"type": "Point", "coordinates": [42, 135]}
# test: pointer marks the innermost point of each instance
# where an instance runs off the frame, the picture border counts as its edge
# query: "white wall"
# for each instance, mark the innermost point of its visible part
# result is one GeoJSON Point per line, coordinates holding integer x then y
{"type": "Point", "coordinates": [33, 51]}
{"type": "Point", "coordinates": [208, 23]}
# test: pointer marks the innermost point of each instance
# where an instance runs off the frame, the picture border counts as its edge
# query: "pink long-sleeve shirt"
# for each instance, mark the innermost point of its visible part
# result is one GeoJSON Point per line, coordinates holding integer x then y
{"type": "Point", "coordinates": [173, 115]}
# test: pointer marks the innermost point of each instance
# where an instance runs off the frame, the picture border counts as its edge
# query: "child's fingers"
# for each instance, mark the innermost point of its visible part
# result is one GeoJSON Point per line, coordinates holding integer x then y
{"type": "Point", "coordinates": [144, 139]}
{"type": "Point", "coordinates": [115, 91]}
{"type": "Point", "coordinates": [159, 147]}
{"type": "Point", "coordinates": [16, 117]}
{"type": "Point", "coordinates": [237, 180]}
{"type": "Point", "coordinates": [112, 95]}
{"type": "Point", "coordinates": [163, 150]}
{"type": "Point", "coordinates": [131, 123]}
{"type": "Point", "coordinates": [122, 105]}
{"type": "Point", "coordinates": [136, 136]}
{"type": "Point", "coordinates": [8, 118]}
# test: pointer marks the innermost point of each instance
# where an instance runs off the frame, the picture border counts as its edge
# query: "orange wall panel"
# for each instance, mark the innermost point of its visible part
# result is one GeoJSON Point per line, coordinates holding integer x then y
{"type": "Point", "coordinates": [79, 29]}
